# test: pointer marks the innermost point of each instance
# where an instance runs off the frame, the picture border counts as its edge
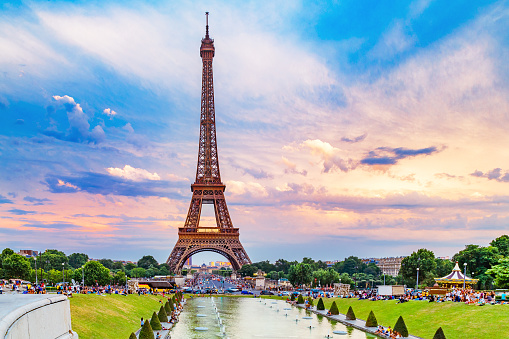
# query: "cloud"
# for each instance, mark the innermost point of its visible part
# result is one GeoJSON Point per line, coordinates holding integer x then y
{"type": "Point", "coordinates": [394, 41]}
{"type": "Point", "coordinates": [36, 201]}
{"type": "Point", "coordinates": [356, 139]}
{"type": "Point", "coordinates": [21, 212]}
{"type": "Point", "coordinates": [97, 183]}
{"type": "Point", "coordinates": [78, 130]}
{"type": "Point", "coordinates": [390, 156]}
{"type": "Point", "coordinates": [109, 112]}
{"type": "Point", "coordinates": [494, 174]}
{"type": "Point", "coordinates": [131, 173]}
{"type": "Point", "coordinates": [19, 122]}
{"type": "Point", "coordinates": [291, 168]}
{"type": "Point", "coordinates": [329, 155]}
{"type": "Point", "coordinates": [4, 200]}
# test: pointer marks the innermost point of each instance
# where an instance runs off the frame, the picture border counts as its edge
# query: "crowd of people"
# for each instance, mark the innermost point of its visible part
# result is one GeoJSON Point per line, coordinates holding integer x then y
{"type": "Point", "coordinates": [387, 332]}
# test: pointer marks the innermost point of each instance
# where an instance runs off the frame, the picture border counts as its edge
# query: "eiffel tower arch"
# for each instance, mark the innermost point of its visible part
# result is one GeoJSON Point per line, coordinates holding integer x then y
{"type": "Point", "coordinates": [208, 187]}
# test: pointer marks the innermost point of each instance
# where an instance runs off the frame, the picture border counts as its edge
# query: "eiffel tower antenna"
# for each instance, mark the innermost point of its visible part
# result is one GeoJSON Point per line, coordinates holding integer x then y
{"type": "Point", "coordinates": [208, 187]}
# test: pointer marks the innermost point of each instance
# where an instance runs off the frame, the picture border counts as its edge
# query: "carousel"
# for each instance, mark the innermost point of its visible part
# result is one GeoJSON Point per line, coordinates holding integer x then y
{"type": "Point", "coordinates": [455, 279]}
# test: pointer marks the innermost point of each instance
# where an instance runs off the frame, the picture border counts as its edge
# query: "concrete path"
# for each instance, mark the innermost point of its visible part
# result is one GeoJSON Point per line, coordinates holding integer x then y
{"type": "Point", "coordinates": [358, 323]}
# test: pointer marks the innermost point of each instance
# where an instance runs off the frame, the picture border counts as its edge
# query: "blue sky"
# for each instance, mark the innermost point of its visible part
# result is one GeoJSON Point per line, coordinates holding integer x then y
{"type": "Point", "coordinates": [344, 128]}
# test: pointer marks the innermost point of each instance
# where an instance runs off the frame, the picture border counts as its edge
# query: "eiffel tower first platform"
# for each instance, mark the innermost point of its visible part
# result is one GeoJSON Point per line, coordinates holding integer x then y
{"type": "Point", "coordinates": [208, 188]}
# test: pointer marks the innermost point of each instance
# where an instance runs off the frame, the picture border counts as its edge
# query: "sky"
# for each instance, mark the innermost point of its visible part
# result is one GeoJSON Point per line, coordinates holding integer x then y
{"type": "Point", "coordinates": [361, 128]}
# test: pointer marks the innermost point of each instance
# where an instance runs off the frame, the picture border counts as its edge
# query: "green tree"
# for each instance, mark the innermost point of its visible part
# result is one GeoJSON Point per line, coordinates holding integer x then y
{"type": "Point", "coordinates": [300, 299]}
{"type": "Point", "coordinates": [284, 265]}
{"type": "Point", "coordinates": [119, 278]}
{"type": "Point", "coordinates": [373, 270]}
{"type": "Point", "coordinates": [300, 274]}
{"type": "Point", "coordinates": [76, 260]}
{"type": "Point", "coordinates": [108, 263]}
{"type": "Point", "coordinates": [325, 276]}
{"type": "Point", "coordinates": [52, 259]}
{"type": "Point", "coordinates": [129, 266]}
{"type": "Point", "coordinates": [146, 331]}
{"type": "Point", "coordinates": [344, 278]}
{"type": "Point", "coordinates": [479, 259]}
{"type": "Point", "coordinates": [164, 269]}
{"type": "Point", "coordinates": [400, 327]}
{"type": "Point", "coordinates": [500, 273]}
{"type": "Point", "coordinates": [320, 306]}
{"type": "Point", "coordinates": [132, 336]}
{"type": "Point", "coordinates": [163, 317]}
{"type": "Point", "coordinates": [350, 265]}
{"type": "Point", "coordinates": [247, 270]}
{"type": "Point", "coordinates": [310, 301]}
{"type": "Point", "coordinates": [16, 266]}
{"type": "Point", "coordinates": [439, 334]}
{"type": "Point", "coordinates": [146, 261]}
{"type": "Point", "coordinates": [95, 272]}
{"type": "Point", "coordinates": [334, 308]}
{"type": "Point", "coordinates": [350, 315]}
{"type": "Point", "coordinates": [138, 272]}
{"type": "Point", "coordinates": [371, 322]}
{"type": "Point", "coordinates": [117, 265]}
{"type": "Point", "coordinates": [502, 244]}
{"type": "Point", "coordinates": [424, 260]}
{"type": "Point", "coordinates": [155, 323]}
{"type": "Point", "coordinates": [444, 267]}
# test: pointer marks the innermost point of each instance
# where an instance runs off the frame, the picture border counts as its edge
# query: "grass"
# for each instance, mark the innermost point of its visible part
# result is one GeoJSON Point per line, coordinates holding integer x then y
{"type": "Point", "coordinates": [116, 316]}
{"type": "Point", "coordinates": [423, 318]}
{"type": "Point", "coordinates": [110, 316]}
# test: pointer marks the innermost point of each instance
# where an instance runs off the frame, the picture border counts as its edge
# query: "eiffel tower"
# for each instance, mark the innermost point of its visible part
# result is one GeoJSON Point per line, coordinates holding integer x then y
{"type": "Point", "coordinates": [208, 188]}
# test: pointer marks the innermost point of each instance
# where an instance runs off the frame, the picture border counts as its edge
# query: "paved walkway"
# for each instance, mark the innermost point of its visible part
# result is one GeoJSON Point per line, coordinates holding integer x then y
{"type": "Point", "coordinates": [357, 323]}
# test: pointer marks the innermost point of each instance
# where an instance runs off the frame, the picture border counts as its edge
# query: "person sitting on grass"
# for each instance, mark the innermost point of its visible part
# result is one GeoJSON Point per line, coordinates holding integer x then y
{"type": "Point", "coordinates": [158, 335]}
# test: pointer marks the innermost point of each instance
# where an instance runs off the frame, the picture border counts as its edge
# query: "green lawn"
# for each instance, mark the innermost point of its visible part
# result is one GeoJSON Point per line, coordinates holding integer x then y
{"type": "Point", "coordinates": [423, 318]}
{"type": "Point", "coordinates": [110, 316]}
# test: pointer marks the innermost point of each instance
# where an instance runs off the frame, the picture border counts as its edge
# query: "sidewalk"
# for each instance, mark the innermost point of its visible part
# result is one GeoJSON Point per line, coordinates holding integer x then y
{"type": "Point", "coordinates": [357, 323]}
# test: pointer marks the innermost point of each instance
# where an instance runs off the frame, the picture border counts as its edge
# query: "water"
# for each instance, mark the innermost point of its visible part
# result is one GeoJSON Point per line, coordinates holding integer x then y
{"type": "Point", "coordinates": [238, 318]}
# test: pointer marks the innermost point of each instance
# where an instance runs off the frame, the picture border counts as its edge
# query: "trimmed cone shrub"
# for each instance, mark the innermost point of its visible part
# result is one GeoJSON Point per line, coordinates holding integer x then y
{"type": "Point", "coordinates": [146, 331]}
{"type": "Point", "coordinates": [320, 306]}
{"type": "Point", "coordinates": [167, 308]}
{"type": "Point", "coordinates": [400, 327]}
{"type": "Point", "coordinates": [439, 334]}
{"type": "Point", "coordinates": [310, 301]}
{"type": "Point", "coordinates": [155, 323]}
{"type": "Point", "coordinates": [350, 315]}
{"type": "Point", "coordinates": [132, 336]}
{"type": "Point", "coordinates": [163, 317]}
{"type": "Point", "coordinates": [371, 322]}
{"type": "Point", "coordinates": [293, 297]}
{"type": "Point", "coordinates": [300, 299]}
{"type": "Point", "coordinates": [334, 309]}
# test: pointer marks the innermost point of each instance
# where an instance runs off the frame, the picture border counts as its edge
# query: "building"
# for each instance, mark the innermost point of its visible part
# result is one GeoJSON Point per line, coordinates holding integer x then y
{"type": "Point", "coordinates": [389, 266]}
{"type": "Point", "coordinates": [220, 264]}
{"type": "Point", "coordinates": [28, 253]}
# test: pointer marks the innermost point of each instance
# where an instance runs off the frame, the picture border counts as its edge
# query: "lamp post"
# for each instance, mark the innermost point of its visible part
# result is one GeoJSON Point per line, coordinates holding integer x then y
{"type": "Point", "coordinates": [83, 275]}
{"type": "Point", "coordinates": [35, 258]}
{"type": "Point", "coordinates": [464, 274]}
{"type": "Point", "coordinates": [63, 278]}
{"type": "Point", "coordinates": [417, 285]}
{"type": "Point", "coordinates": [383, 271]}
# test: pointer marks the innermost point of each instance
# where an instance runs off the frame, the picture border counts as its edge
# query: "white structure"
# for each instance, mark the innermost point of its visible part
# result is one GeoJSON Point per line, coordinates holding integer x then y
{"type": "Point", "coordinates": [180, 280]}
{"type": "Point", "coordinates": [391, 290]}
{"type": "Point", "coordinates": [35, 316]}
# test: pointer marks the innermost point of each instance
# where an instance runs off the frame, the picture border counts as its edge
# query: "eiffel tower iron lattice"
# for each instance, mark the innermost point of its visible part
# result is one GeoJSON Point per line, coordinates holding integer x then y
{"type": "Point", "coordinates": [208, 188]}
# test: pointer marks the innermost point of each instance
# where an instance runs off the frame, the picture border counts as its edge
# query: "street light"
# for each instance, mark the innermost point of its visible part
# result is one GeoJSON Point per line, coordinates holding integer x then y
{"type": "Point", "coordinates": [63, 278]}
{"type": "Point", "coordinates": [83, 275]}
{"type": "Point", "coordinates": [35, 258]}
{"type": "Point", "coordinates": [464, 274]}
{"type": "Point", "coordinates": [417, 285]}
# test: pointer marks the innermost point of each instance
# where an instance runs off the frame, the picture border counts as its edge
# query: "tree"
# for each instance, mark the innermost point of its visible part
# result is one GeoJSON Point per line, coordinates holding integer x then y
{"type": "Point", "coordinates": [310, 301]}
{"type": "Point", "coordinates": [325, 276]}
{"type": "Point", "coordinates": [300, 274]}
{"type": "Point", "coordinates": [334, 308]}
{"type": "Point", "coordinates": [444, 267]}
{"type": "Point", "coordinates": [5, 253]}
{"type": "Point", "coordinates": [400, 327]}
{"type": "Point", "coordinates": [164, 269]}
{"type": "Point", "coordinates": [439, 334]}
{"type": "Point", "coordinates": [95, 272]}
{"type": "Point", "coordinates": [350, 315]}
{"type": "Point", "coordinates": [346, 279]}
{"type": "Point", "coordinates": [16, 266]}
{"type": "Point", "coordinates": [117, 265]}
{"type": "Point", "coordinates": [155, 323]}
{"type": "Point", "coordinates": [146, 331]}
{"type": "Point", "coordinates": [76, 260]}
{"type": "Point", "coordinates": [371, 322]}
{"type": "Point", "coordinates": [247, 270]}
{"type": "Point", "coordinates": [133, 336]}
{"type": "Point", "coordinates": [502, 244]}
{"type": "Point", "coordinates": [146, 261]}
{"type": "Point", "coordinates": [300, 299]}
{"type": "Point", "coordinates": [52, 259]}
{"type": "Point", "coordinates": [284, 265]}
{"type": "Point", "coordinates": [108, 263]}
{"type": "Point", "coordinates": [350, 265]}
{"type": "Point", "coordinates": [500, 273]}
{"type": "Point", "coordinates": [119, 278]}
{"type": "Point", "coordinates": [138, 272]}
{"type": "Point", "coordinates": [163, 317]}
{"type": "Point", "coordinates": [479, 259]}
{"type": "Point", "coordinates": [129, 266]}
{"type": "Point", "coordinates": [425, 260]}
{"type": "Point", "coordinates": [320, 306]}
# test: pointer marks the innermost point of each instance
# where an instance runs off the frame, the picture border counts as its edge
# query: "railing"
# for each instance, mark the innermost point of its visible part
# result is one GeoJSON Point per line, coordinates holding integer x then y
{"type": "Point", "coordinates": [209, 230]}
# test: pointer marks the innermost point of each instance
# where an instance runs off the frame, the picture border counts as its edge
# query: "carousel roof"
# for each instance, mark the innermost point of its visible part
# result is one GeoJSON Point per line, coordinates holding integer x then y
{"type": "Point", "coordinates": [456, 276]}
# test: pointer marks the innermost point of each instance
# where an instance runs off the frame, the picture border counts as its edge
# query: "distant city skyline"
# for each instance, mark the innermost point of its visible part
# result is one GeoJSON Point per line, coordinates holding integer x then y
{"type": "Point", "coordinates": [351, 128]}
